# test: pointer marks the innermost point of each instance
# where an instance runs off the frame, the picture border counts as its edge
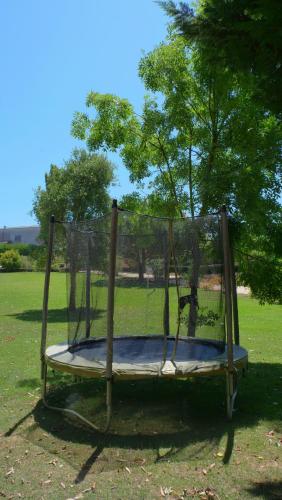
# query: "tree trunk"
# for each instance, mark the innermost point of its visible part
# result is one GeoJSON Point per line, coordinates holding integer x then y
{"type": "Point", "coordinates": [194, 282]}
{"type": "Point", "coordinates": [141, 264]}
{"type": "Point", "coordinates": [72, 296]}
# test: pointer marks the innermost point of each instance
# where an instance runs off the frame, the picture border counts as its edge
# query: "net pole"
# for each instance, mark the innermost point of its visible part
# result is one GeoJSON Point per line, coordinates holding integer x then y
{"type": "Point", "coordinates": [228, 311]}
{"type": "Point", "coordinates": [45, 301]}
{"type": "Point", "coordinates": [176, 272]}
{"type": "Point", "coordinates": [88, 289]}
{"type": "Point", "coordinates": [167, 258]}
{"type": "Point", "coordinates": [234, 298]}
{"type": "Point", "coordinates": [110, 309]}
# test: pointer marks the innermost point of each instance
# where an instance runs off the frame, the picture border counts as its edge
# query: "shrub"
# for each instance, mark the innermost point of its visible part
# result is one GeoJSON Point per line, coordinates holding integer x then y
{"type": "Point", "coordinates": [27, 249]}
{"type": "Point", "coordinates": [10, 260]}
{"type": "Point", "coordinates": [27, 263]}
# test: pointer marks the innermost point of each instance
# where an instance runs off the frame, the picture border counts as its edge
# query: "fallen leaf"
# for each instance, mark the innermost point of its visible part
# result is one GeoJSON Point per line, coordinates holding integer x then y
{"type": "Point", "coordinates": [53, 462]}
{"type": "Point", "coordinates": [165, 491]}
{"type": "Point", "coordinates": [203, 495]}
{"type": "Point", "coordinates": [91, 488]}
{"type": "Point", "coordinates": [128, 470]}
{"type": "Point", "coordinates": [10, 471]}
{"type": "Point", "coordinates": [162, 492]}
{"type": "Point", "coordinates": [219, 454]}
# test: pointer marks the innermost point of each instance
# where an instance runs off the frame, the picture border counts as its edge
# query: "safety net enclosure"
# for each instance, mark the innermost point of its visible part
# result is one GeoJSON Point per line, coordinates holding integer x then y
{"type": "Point", "coordinates": [146, 297]}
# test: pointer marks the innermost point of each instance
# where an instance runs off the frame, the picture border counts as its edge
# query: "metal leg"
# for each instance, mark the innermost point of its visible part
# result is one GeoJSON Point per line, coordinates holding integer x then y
{"type": "Point", "coordinates": [231, 392]}
{"type": "Point", "coordinates": [43, 378]}
{"type": "Point", "coordinates": [109, 403]}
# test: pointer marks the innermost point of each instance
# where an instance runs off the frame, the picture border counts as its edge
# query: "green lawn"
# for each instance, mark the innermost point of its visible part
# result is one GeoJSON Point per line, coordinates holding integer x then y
{"type": "Point", "coordinates": [170, 439]}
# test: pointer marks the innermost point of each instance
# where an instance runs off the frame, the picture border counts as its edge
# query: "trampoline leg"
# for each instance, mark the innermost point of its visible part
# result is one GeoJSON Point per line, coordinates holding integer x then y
{"type": "Point", "coordinates": [109, 403]}
{"type": "Point", "coordinates": [231, 392]}
{"type": "Point", "coordinates": [43, 380]}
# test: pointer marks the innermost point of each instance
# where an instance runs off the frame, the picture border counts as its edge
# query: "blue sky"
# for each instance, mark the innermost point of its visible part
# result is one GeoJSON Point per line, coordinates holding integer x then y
{"type": "Point", "coordinates": [53, 52]}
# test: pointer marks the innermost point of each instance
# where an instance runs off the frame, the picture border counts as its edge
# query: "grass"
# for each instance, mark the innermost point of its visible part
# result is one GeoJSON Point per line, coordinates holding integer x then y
{"type": "Point", "coordinates": [170, 439]}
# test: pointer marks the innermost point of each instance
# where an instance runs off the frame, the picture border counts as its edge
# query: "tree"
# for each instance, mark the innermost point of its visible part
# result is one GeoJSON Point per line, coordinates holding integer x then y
{"type": "Point", "coordinates": [244, 36]}
{"type": "Point", "coordinates": [74, 192]}
{"type": "Point", "coordinates": [200, 141]}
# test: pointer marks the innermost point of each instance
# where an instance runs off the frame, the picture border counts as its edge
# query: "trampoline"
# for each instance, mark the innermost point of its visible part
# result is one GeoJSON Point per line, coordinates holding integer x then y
{"type": "Point", "coordinates": [146, 297]}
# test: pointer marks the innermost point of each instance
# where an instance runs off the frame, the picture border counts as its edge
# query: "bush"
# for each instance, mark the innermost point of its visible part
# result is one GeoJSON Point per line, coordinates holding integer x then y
{"type": "Point", "coordinates": [10, 261]}
{"type": "Point", "coordinates": [27, 249]}
{"type": "Point", "coordinates": [27, 263]}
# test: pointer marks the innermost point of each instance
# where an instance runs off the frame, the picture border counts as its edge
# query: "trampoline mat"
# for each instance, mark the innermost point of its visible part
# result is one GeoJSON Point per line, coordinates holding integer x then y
{"type": "Point", "coordinates": [147, 349]}
{"type": "Point", "coordinates": [143, 357]}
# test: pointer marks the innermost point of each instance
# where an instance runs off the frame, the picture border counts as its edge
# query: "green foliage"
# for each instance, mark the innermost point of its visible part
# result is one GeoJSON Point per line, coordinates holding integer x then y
{"type": "Point", "coordinates": [76, 191]}
{"type": "Point", "coordinates": [200, 142]}
{"type": "Point", "coordinates": [264, 276]}
{"type": "Point", "coordinates": [241, 35]}
{"type": "Point", "coordinates": [33, 257]}
{"type": "Point", "coordinates": [26, 249]}
{"type": "Point", "coordinates": [206, 317]}
{"type": "Point", "coordinates": [10, 261]}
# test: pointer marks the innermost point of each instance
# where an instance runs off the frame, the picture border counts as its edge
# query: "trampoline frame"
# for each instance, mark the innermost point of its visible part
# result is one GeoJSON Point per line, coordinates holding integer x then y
{"type": "Point", "coordinates": [229, 367]}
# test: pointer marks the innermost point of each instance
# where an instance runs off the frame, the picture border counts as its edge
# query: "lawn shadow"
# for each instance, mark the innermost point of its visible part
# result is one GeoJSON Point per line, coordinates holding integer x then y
{"type": "Point", "coordinates": [272, 490]}
{"type": "Point", "coordinates": [54, 315]}
{"type": "Point", "coordinates": [29, 383]}
{"type": "Point", "coordinates": [158, 420]}
{"type": "Point", "coordinates": [129, 282]}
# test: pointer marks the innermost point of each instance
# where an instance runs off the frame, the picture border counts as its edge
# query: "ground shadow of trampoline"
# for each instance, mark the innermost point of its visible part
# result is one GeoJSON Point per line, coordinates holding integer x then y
{"type": "Point", "coordinates": [204, 424]}
{"type": "Point", "coordinates": [132, 447]}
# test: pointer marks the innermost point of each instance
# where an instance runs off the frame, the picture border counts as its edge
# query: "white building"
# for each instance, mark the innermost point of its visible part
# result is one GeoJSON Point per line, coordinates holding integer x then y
{"type": "Point", "coordinates": [25, 234]}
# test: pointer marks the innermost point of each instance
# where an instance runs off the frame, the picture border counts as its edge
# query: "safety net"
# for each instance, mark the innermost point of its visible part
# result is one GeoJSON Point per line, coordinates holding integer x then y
{"type": "Point", "coordinates": [168, 279]}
